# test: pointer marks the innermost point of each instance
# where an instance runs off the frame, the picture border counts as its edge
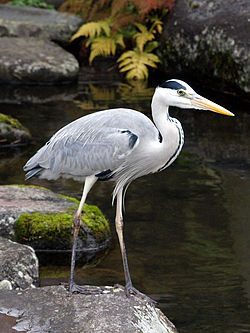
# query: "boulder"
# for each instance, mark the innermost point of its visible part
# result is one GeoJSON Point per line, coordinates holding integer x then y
{"type": "Point", "coordinates": [208, 40]}
{"type": "Point", "coordinates": [54, 309]}
{"type": "Point", "coordinates": [48, 24]}
{"type": "Point", "coordinates": [18, 265]}
{"type": "Point", "coordinates": [15, 200]}
{"type": "Point", "coordinates": [43, 219]}
{"type": "Point", "coordinates": [12, 132]}
{"type": "Point", "coordinates": [33, 60]}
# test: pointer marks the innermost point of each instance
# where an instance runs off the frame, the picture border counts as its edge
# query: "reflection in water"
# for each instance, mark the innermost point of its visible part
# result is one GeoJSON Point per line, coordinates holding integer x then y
{"type": "Point", "coordinates": [187, 229]}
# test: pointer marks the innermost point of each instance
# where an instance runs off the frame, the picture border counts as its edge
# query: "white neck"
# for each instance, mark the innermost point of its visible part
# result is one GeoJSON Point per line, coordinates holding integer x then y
{"type": "Point", "coordinates": [160, 115]}
{"type": "Point", "coordinates": [170, 130]}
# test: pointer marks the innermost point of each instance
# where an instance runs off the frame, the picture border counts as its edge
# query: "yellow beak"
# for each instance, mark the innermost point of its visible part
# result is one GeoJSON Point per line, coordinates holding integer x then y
{"type": "Point", "coordinates": [205, 104]}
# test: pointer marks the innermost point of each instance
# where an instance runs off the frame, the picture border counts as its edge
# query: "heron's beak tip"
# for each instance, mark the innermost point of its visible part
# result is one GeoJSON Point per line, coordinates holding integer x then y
{"type": "Point", "coordinates": [205, 104]}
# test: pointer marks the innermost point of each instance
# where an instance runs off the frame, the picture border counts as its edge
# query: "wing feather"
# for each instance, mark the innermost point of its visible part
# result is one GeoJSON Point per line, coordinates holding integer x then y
{"type": "Point", "coordinates": [84, 147]}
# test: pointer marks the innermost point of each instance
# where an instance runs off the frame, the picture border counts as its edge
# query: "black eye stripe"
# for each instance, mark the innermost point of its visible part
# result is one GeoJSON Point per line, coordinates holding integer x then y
{"type": "Point", "coordinates": [172, 85]}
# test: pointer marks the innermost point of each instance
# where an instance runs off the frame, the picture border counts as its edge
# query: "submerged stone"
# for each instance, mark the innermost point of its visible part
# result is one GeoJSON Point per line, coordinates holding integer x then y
{"type": "Point", "coordinates": [12, 131]}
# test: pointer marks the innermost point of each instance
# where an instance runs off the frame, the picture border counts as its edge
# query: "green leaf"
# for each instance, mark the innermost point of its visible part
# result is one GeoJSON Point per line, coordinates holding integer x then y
{"type": "Point", "coordinates": [151, 46]}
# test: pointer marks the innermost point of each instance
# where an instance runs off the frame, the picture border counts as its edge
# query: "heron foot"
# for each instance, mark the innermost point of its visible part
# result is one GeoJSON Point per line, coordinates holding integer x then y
{"type": "Point", "coordinates": [130, 290]}
{"type": "Point", "coordinates": [88, 290]}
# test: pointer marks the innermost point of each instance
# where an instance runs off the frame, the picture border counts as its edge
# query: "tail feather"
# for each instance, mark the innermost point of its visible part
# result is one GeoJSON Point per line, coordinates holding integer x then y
{"type": "Point", "coordinates": [33, 172]}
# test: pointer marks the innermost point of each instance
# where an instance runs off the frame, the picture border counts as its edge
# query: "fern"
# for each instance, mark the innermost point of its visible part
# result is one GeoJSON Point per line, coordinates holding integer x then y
{"type": "Point", "coordinates": [102, 46]}
{"type": "Point", "coordinates": [135, 63]}
{"type": "Point", "coordinates": [87, 9]}
{"type": "Point", "coordinates": [156, 25]}
{"type": "Point", "coordinates": [93, 29]}
{"type": "Point", "coordinates": [139, 22]}
{"type": "Point", "coordinates": [142, 37]}
{"type": "Point", "coordinates": [146, 6]}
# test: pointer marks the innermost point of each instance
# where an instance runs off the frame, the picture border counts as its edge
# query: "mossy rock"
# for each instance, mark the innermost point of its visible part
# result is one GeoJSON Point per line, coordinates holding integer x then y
{"type": "Point", "coordinates": [54, 231]}
{"type": "Point", "coordinates": [12, 131]}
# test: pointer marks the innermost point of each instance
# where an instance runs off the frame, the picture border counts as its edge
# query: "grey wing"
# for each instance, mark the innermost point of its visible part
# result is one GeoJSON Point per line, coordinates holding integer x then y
{"type": "Point", "coordinates": [85, 147]}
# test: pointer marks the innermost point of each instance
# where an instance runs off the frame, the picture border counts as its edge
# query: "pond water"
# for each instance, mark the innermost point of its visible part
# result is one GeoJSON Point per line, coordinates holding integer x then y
{"type": "Point", "coordinates": [187, 229]}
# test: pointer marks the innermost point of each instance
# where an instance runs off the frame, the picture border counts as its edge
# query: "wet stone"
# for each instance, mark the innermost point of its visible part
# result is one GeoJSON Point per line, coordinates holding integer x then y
{"type": "Point", "coordinates": [44, 220]}
{"type": "Point", "coordinates": [209, 41]}
{"type": "Point", "coordinates": [48, 24]}
{"type": "Point", "coordinates": [15, 200]}
{"type": "Point", "coordinates": [54, 309]}
{"type": "Point", "coordinates": [33, 60]}
{"type": "Point", "coordinates": [12, 132]}
{"type": "Point", "coordinates": [18, 265]}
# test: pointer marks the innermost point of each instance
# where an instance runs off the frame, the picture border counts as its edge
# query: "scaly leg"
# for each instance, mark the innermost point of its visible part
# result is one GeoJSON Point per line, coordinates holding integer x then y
{"type": "Point", "coordinates": [129, 289]}
{"type": "Point", "coordinates": [89, 182]}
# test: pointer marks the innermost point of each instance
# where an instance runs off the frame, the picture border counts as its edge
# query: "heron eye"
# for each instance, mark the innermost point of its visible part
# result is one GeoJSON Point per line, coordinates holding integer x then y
{"type": "Point", "coordinates": [181, 92]}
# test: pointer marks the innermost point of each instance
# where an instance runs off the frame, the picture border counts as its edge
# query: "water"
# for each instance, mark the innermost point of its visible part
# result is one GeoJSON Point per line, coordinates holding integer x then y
{"type": "Point", "coordinates": [187, 229]}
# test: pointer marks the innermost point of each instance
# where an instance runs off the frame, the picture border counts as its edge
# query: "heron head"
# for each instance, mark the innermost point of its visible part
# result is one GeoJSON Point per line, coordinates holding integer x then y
{"type": "Point", "coordinates": [180, 94]}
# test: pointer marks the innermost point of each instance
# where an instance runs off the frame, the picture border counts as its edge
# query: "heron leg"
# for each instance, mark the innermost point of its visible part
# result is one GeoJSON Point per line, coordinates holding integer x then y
{"type": "Point", "coordinates": [89, 182]}
{"type": "Point", "coordinates": [129, 289]}
{"type": "Point", "coordinates": [119, 230]}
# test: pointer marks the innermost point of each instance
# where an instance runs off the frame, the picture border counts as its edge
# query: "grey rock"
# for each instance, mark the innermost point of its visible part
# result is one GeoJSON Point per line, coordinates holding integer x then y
{"type": "Point", "coordinates": [48, 24]}
{"type": "Point", "coordinates": [54, 309]}
{"type": "Point", "coordinates": [5, 284]}
{"type": "Point", "coordinates": [11, 135]}
{"type": "Point", "coordinates": [15, 200]}
{"type": "Point", "coordinates": [33, 60]}
{"type": "Point", "coordinates": [18, 265]}
{"type": "Point", "coordinates": [208, 39]}
{"type": "Point", "coordinates": [12, 132]}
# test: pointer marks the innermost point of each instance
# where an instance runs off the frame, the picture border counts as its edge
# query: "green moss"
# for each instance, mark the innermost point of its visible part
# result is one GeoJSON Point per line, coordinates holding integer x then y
{"type": "Point", "coordinates": [95, 220]}
{"type": "Point", "coordinates": [32, 3]}
{"type": "Point", "coordinates": [55, 230]}
{"type": "Point", "coordinates": [32, 186]}
{"type": "Point", "coordinates": [11, 121]}
{"type": "Point", "coordinates": [44, 231]}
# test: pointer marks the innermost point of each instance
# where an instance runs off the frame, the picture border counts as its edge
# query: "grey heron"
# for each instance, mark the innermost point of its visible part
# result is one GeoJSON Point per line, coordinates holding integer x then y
{"type": "Point", "coordinates": [118, 145]}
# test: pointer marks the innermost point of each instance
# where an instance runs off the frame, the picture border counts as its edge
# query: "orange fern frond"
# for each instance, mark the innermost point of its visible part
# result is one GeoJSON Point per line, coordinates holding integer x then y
{"type": "Point", "coordinates": [118, 6]}
{"type": "Point", "coordinates": [146, 6]}
{"type": "Point", "coordinates": [76, 7]}
{"type": "Point", "coordinates": [96, 10]}
{"type": "Point", "coordinates": [124, 20]}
